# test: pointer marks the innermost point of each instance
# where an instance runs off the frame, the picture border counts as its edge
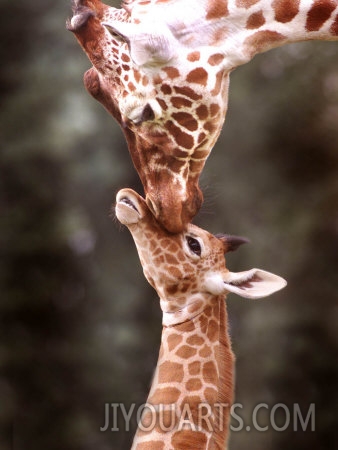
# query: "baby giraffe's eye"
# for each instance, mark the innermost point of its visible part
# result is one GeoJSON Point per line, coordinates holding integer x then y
{"type": "Point", "coordinates": [194, 245]}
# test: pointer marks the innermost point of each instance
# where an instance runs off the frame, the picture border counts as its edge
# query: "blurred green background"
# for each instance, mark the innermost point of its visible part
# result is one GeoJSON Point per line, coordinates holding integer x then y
{"type": "Point", "coordinates": [79, 326]}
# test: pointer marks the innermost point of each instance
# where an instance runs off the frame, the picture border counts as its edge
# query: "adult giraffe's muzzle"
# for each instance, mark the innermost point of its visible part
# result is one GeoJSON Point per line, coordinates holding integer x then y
{"type": "Point", "coordinates": [172, 207]}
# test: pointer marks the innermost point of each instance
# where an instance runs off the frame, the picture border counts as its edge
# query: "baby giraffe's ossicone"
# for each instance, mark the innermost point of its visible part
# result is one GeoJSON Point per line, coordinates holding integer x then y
{"type": "Point", "coordinates": [192, 391]}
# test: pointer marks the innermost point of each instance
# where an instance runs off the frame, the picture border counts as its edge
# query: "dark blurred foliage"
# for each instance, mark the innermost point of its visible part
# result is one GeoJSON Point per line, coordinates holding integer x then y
{"type": "Point", "coordinates": [79, 326]}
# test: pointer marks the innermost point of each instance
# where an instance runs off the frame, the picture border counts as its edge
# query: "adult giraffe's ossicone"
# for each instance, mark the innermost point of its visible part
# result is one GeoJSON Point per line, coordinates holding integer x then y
{"type": "Point", "coordinates": [161, 68]}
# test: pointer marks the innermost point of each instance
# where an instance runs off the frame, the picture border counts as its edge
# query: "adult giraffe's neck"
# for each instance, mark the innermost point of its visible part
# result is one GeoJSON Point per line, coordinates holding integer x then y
{"type": "Point", "coordinates": [192, 390]}
{"type": "Point", "coordinates": [264, 24]}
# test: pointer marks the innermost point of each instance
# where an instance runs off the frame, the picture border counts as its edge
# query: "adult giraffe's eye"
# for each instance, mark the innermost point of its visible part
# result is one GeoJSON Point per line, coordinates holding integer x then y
{"type": "Point", "coordinates": [194, 245]}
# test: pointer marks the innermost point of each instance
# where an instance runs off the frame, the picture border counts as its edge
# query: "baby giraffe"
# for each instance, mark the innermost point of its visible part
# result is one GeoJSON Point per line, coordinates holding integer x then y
{"type": "Point", "coordinates": [192, 391]}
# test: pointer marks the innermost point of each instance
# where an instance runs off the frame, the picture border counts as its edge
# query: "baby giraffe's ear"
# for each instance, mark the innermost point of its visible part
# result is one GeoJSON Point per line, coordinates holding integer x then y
{"type": "Point", "coordinates": [231, 243]}
{"type": "Point", "coordinates": [254, 283]}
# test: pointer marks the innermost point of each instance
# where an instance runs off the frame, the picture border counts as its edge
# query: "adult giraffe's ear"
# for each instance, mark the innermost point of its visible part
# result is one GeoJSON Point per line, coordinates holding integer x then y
{"type": "Point", "coordinates": [254, 283]}
{"type": "Point", "coordinates": [146, 48]}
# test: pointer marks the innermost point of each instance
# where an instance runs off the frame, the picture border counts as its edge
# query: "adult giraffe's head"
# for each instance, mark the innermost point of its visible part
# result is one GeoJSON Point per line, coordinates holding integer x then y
{"type": "Point", "coordinates": [161, 68]}
{"type": "Point", "coordinates": [165, 86]}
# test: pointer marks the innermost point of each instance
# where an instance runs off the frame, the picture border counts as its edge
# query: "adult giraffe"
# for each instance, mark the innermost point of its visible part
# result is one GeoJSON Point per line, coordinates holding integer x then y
{"type": "Point", "coordinates": [192, 390]}
{"type": "Point", "coordinates": [161, 68]}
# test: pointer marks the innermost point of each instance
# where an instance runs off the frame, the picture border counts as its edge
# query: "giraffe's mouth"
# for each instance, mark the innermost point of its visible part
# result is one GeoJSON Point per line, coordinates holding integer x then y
{"type": "Point", "coordinates": [128, 202]}
{"type": "Point", "coordinates": [128, 207]}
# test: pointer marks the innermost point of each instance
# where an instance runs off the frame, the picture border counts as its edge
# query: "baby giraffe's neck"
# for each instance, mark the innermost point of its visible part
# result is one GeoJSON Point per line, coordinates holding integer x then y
{"type": "Point", "coordinates": [192, 391]}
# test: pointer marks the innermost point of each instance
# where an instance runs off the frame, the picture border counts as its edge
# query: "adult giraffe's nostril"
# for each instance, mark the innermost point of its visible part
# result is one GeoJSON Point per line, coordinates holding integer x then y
{"type": "Point", "coordinates": [152, 206]}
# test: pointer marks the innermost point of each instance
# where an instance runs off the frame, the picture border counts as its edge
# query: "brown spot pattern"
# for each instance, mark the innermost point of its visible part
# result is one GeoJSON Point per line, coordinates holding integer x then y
{"type": "Point", "coordinates": [334, 27]}
{"type": "Point", "coordinates": [209, 372]}
{"type": "Point", "coordinates": [173, 341]}
{"type": "Point", "coordinates": [173, 248]}
{"type": "Point", "coordinates": [213, 330]}
{"type": "Point", "coordinates": [195, 340]}
{"type": "Point", "coordinates": [175, 272]}
{"type": "Point", "coordinates": [194, 56]}
{"type": "Point", "coordinates": [285, 10]}
{"type": "Point", "coordinates": [194, 384]}
{"type": "Point", "coordinates": [188, 92]}
{"type": "Point", "coordinates": [186, 120]}
{"type": "Point", "coordinates": [168, 420]}
{"type": "Point", "coordinates": [214, 109]}
{"type": "Point", "coordinates": [159, 260]}
{"type": "Point", "coordinates": [193, 401]}
{"type": "Point", "coordinates": [180, 255]}
{"type": "Point", "coordinates": [186, 352]}
{"type": "Point", "coordinates": [219, 36]}
{"type": "Point", "coordinates": [217, 9]}
{"type": "Point", "coordinates": [162, 104]}
{"type": "Point", "coordinates": [208, 311]}
{"type": "Point", "coordinates": [188, 440]}
{"type": "Point", "coordinates": [210, 395]}
{"type": "Point", "coordinates": [209, 126]}
{"type": "Point", "coordinates": [165, 243]}
{"type": "Point", "coordinates": [170, 372]}
{"type": "Point", "coordinates": [137, 76]}
{"type": "Point", "coordinates": [183, 139]}
{"type": "Point", "coordinates": [201, 137]}
{"type": "Point", "coordinates": [194, 368]}
{"type": "Point", "coordinates": [260, 40]}
{"type": "Point", "coordinates": [202, 112]}
{"type": "Point", "coordinates": [157, 79]}
{"type": "Point", "coordinates": [218, 84]}
{"type": "Point", "coordinates": [256, 20]}
{"type": "Point", "coordinates": [215, 59]}
{"type": "Point", "coordinates": [171, 259]}
{"type": "Point", "coordinates": [319, 14]}
{"type": "Point", "coordinates": [180, 102]}
{"type": "Point", "coordinates": [171, 290]}
{"type": "Point", "coordinates": [166, 89]}
{"type": "Point", "coordinates": [205, 352]}
{"type": "Point", "coordinates": [172, 72]}
{"type": "Point", "coordinates": [186, 326]}
{"type": "Point", "coordinates": [203, 323]}
{"type": "Point", "coordinates": [131, 86]}
{"type": "Point", "coordinates": [166, 396]}
{"type": "Point", "coordinates": [185, 287]}
{"type": "Point", "coordinates": [198, 76]}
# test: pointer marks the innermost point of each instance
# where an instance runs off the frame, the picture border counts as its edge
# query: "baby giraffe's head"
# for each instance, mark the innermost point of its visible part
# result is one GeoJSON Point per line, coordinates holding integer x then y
{"type": "Point", "coordinates": [188, 269]}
